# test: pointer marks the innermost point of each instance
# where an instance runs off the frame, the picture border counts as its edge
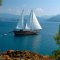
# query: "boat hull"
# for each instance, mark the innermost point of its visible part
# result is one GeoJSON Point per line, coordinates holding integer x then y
{"type": "Point", "coordinates": [24, 33]}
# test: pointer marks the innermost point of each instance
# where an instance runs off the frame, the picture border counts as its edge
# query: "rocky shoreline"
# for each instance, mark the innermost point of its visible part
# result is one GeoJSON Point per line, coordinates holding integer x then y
{"type": "Point", "coordinates": [22, 55]}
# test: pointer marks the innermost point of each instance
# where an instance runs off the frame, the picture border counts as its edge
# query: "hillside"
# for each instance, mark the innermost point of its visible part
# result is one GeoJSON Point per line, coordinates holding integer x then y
{"type": "Point", "coordinates": [54, 19]}
{"type": "Point", "coordinates": [12, 18]}
{"type": "Point", "coordinates": [8, 17]}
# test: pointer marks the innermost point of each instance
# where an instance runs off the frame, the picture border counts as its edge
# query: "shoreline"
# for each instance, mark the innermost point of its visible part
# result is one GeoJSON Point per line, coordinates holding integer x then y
{"type": "Point", "coordinates": [22, 55]}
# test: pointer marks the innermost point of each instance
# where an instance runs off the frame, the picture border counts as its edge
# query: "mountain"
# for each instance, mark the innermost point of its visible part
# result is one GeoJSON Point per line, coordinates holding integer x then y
{"type": "Point", "coordinates": [12, 18]}
{"type": "Point", "coordinates": [45, 18]}
{"type": "Point", "coordinates": [8, 17]}
{"type": "Point", "coordinates": [54, 19]}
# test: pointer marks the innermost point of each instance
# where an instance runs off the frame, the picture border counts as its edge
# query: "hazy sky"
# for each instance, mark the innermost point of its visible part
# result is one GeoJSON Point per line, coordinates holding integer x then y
{"type": "Point", "coordinates": [41, 7]}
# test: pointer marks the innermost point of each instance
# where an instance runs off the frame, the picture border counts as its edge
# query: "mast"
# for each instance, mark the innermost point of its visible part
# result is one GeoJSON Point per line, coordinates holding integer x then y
{"type": "Point", "coordinates": [22, 18]}
{"type": "Point", "coordinates": [20, 24]}
{"type": "Point", "coordinates": [31, 16]}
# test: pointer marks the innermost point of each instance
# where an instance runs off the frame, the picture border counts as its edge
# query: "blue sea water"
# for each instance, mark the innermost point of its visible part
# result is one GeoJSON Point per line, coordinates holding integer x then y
{"type": "Point", "coordinates": [43, 43]}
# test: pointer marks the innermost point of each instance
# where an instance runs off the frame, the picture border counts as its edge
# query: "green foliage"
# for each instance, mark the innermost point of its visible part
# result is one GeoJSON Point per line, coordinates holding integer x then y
{"type": "Point", "coordinates": [57, 37]}
{"type": "Point", "coordinates": [0, 2]}
{"type": "Point", "coordinates": [56, 54]}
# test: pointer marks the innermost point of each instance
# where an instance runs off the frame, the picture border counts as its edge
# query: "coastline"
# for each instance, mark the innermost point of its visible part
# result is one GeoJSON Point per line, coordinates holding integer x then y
{"type": "Point", "coordinates": [23, 55]}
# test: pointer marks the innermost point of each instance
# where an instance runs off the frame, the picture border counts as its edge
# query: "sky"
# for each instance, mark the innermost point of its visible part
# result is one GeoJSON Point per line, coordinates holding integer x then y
{"type": "Point", "coordinates": [40, 7]}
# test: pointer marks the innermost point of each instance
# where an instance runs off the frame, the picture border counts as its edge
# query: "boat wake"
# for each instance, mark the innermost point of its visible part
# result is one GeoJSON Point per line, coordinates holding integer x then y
{"type": "Point", "coordinates": [5, 34]}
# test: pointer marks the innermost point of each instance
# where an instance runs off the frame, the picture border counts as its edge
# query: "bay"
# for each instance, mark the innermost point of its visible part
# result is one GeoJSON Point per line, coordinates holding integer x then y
{"type": "Point", "coordinates": [43, 43]}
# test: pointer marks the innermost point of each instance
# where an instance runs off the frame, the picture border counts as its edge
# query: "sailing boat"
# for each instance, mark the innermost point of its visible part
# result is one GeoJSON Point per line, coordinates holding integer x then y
{"type": "Point", "coordinates": [32, 25]}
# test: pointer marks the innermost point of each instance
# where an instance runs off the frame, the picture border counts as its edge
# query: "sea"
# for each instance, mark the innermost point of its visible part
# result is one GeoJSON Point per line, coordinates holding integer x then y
{"type": "Point", "coordinates": [43, 43]}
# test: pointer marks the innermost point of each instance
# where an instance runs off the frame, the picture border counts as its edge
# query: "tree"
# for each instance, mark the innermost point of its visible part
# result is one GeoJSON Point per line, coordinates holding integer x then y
{"type": "Point", "coordinates": [56, 54]}
{"type": "Point", "coordinates": [57, 36]}
{"type": "Point", "coordinates": [0, 2]}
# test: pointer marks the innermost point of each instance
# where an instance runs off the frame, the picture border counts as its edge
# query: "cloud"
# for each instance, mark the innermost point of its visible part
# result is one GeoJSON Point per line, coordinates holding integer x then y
{"type": "Point", "coordinates": [2, 9]}
{"type": "Point", "coordinates": [9, 9]}
{"type": "Point", "coordinates": [39, 11]}
{"type": "Point", "coordinates": [14, 11]}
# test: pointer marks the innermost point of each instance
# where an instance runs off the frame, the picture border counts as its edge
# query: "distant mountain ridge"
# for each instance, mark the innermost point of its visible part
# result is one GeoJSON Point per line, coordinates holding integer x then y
{"type": "Point", "coordinates": [11, 18]}
{"type": "Point", "coordinates": [8, 17]}
{"type": "Point", "coordinates": [54, 19]}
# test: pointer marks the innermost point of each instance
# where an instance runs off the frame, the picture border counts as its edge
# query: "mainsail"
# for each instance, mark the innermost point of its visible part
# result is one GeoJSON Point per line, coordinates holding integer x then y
{"type": "Point", "coordinates": [33, 22]}
{"type": "Point", "coordinates": [20, 24]}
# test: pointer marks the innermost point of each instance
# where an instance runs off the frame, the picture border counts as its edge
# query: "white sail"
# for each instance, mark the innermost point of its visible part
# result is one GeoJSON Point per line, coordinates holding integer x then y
{"type": "Point", "coordinates": [27, 27]}
{"type": "Point", "coordinates": [20, 24]}
{"type": "Point", "coordinates": [34, 24]}
{"type": "Point", "coordinates": [31, 24]}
